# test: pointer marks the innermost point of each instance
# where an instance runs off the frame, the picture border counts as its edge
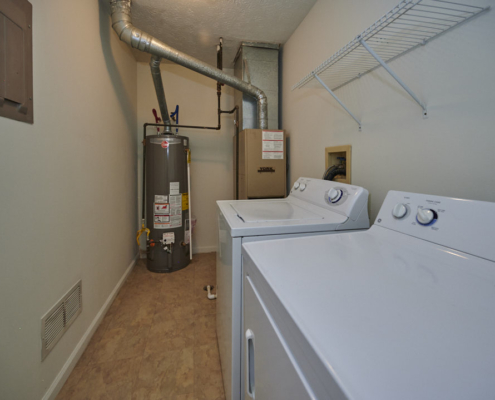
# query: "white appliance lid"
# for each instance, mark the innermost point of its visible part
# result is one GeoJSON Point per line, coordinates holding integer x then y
{"type": "Point", "coordinates": [272, 211]}
{"type": "Point", "coordinates": [389, 316]}
{"type": "Point", "coordinates": [306, 217]}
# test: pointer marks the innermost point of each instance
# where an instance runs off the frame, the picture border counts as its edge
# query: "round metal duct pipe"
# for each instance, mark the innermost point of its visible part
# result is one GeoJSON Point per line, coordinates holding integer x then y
{"type": "Point", "coordinates": [138, 39]}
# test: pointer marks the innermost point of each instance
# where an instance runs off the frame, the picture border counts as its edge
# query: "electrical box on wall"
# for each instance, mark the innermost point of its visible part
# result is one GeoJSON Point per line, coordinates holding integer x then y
{"type": "Point", "coordinates": [338, 155]}
{"type": "Point", "coordinates": [16, 56]}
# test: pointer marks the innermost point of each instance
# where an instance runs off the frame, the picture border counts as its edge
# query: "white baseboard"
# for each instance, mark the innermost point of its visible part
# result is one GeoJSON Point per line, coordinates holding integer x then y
{"type": "Point", "coordinates": [204, 249]}
{"type": "Point", "coordinates": [71, 362]}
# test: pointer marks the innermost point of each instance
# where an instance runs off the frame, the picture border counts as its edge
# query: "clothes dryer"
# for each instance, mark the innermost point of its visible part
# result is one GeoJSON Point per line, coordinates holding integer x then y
{"type": "Point", "coordinates": [403, 310]}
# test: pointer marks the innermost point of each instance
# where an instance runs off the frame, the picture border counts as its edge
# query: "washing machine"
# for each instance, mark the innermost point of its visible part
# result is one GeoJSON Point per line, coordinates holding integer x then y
{"type": "Point", "coordinates": [313, 207]}
{"type": "Point", "coordinates": [403, 311]}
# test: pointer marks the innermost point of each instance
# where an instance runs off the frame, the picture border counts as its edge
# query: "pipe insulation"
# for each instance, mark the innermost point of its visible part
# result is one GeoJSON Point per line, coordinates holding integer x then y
{"type": "Point", "coordinates": [160, 91]}
{"type": "Point", "coordinates": [138, 39]}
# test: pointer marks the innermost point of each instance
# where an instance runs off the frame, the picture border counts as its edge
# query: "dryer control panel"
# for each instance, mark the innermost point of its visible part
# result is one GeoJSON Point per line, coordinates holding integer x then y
{"type": "Point", "coordinates": [464, 225]}
{"type": "Point", "coordinates": [345, 199]}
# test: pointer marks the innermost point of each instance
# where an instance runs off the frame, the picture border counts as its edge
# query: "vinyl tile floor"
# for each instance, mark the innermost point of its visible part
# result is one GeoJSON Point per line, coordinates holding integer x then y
{"type": "Point", "coordinates": [157, 341]}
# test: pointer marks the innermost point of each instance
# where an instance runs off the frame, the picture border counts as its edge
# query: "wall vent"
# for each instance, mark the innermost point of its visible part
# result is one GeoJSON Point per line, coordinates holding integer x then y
{"type": "Point", "coordinates": [56, 321]}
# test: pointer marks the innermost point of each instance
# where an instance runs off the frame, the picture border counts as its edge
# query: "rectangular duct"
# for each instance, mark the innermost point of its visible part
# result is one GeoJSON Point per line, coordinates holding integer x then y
{"type": "Point", "coordinates": [257, 64]}
{"type": "Point", "coordinates": [56, 321]}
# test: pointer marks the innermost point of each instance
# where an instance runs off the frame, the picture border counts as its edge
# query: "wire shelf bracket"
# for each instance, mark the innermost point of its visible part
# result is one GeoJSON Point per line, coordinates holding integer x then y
{"type": "Point", "coordinates": [338, 100]}
{"type": "Point", "coordinates": [394, 75]}
{"type": "Point", "coordinates": [410, 24]}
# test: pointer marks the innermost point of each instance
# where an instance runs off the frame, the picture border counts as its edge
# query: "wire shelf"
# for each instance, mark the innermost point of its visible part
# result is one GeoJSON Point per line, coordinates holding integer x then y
{"type": "Point", "coordinates": [410, 24]}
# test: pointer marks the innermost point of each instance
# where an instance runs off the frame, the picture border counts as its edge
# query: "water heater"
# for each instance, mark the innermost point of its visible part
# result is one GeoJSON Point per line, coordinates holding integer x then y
{"type": "Point", "coordinates": [167, 202]}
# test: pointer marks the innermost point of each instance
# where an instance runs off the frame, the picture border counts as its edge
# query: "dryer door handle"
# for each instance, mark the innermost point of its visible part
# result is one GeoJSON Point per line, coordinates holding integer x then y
{"type": "Point", "coordinates": [250, 382]}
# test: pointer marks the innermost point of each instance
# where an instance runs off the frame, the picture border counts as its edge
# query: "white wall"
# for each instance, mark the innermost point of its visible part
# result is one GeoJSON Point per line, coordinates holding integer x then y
{"type": "Point", "coordinates": [448, 154]}
{"type": "Point", "coordinates": [68, 188]}
{"type": "Point", "coordinates": [211, 151]}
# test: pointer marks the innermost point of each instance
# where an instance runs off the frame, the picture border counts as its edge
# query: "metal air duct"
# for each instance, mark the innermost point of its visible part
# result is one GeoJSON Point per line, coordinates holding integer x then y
{"type": "Point", "coordinates": [160, 91]}
{"type": "Point", "coordinates": [138, 39]}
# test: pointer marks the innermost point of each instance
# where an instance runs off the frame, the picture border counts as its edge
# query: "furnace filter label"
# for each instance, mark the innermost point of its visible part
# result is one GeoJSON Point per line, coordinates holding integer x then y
{"type": "Point", "coordinates": [176, 211]}
{"type": "Point", "coordinates": [174, 188]}
{"type": "Point", "coordinates": [272, 145]}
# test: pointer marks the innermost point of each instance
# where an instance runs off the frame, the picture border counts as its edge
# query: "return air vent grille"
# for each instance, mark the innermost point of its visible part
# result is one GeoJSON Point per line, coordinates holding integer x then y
{"type": "Point", "coordinates": [56, 321]}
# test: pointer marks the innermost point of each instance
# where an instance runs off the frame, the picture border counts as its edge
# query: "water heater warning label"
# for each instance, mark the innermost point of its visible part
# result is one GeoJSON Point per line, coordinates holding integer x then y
{"type": "Point", "coordinates": [161, 215]}
{"type": "Point", "coordinates": [176, 210]}
{"type": "Point", "coordinates": [161, 208]}
{"type": "Point", "coordinates": [161, 222]}
{"type": "Point", "coordinates": [185, 201]}
{"type": "Point", "coordinates": [272, 145]}
{"type": "Point", "coordinates": [174, 188]}
{"type": "Point", "coordinates": [161, 198]}
{"type": "Point", "coordinates": [176, 221]}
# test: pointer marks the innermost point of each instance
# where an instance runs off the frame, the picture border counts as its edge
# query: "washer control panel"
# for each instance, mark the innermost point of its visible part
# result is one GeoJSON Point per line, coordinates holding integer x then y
{"type": "Point", "coordinates": [339, 197]}
{"type": "Point", "coordinates": [422, 212]}
{"type": "Point", "coordinates": [333, 195]}
{"type": "Point", "coordinates": [465, 225]}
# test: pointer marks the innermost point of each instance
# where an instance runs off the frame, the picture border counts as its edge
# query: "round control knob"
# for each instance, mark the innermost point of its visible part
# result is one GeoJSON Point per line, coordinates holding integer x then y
{"type": "Point", "coordinates": [426, 216]}
{"type": "Point", "coordinates": [296, 185]}
{"type": "Point", "coordinates": [303, 186]}
{"type": "Point", "coordinates": [334, 195]}
{"type": "Point", "coordinates": [399, 211]}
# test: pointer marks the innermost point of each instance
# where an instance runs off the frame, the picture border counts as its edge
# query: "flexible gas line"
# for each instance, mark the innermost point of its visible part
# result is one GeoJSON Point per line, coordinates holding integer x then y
{"type": "Point", "coordinates": [140, 232]}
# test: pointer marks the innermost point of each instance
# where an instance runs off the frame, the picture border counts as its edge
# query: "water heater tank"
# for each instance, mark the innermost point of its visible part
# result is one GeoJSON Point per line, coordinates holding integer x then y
{"type": "Point", "coordinates": [167, 202]}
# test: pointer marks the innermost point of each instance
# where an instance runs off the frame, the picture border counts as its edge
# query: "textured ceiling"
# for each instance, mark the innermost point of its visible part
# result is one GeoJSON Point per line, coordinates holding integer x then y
{"type": "Point", "coordinates": [195, 26]}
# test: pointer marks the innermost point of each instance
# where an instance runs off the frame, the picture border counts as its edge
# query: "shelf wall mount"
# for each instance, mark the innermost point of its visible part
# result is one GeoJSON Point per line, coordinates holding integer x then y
{"type": "Point", "coordinates": [410, 24]}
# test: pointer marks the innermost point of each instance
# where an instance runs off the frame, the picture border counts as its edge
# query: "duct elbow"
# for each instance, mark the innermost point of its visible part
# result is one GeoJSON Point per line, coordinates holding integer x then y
{"type": "Point", "coordinates": [121, 15]}
{"type": "Point", "coordinates": [122, 25]}
{"type": "Point", "coordinates": [132, 36]}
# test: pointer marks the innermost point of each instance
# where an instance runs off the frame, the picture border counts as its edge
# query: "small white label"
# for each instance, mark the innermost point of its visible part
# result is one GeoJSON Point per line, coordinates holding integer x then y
{"type": "Point", "coordinates": [168, 238]}
{"type": "Point", "coordinates": [161, 208]}
{"type": "Point", "coordinates": [185, 142]}
{"type": "Point", "coordinates": [159, 198]}
{"type": "Point", "coordinates": [272, 145]}
{"type": "Point", "coordinates": [174, 188]}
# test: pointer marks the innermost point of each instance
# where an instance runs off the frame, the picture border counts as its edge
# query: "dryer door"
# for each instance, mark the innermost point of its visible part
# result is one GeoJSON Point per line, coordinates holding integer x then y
{"type": "Point", "coordinates": [268, 370]}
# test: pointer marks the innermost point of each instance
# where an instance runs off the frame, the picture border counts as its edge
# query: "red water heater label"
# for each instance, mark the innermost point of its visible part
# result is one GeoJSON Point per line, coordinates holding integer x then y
{"type": "Point", "coordinates": [164, 144]}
